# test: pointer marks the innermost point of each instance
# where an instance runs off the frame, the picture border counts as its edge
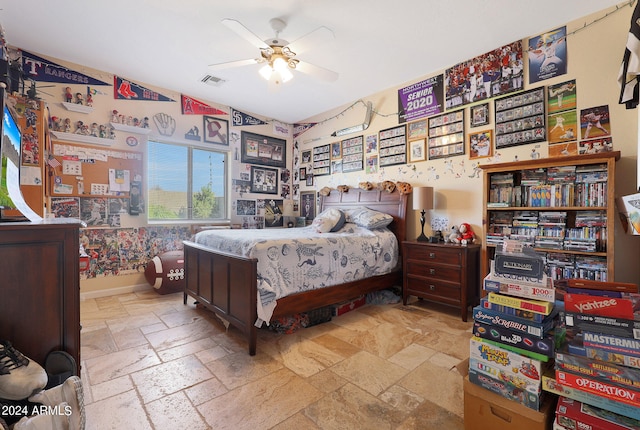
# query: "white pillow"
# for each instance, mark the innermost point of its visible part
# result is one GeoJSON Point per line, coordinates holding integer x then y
{"type": "Point", "coordinates": [329, 221]}
{"type": "Point", "coordinates": [368, 218]}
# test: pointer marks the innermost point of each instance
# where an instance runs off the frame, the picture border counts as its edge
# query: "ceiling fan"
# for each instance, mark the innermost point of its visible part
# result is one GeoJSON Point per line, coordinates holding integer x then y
{"type": "Point", "coordinates": [278, 55]}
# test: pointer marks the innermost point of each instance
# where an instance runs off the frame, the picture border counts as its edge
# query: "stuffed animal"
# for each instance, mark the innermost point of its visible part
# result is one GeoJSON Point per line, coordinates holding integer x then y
{"type": "Point", "coordinates": [467, 236]}
{"type": "Point", "coordinates": [343, 188]}
{"type": "Point", "coordinates": [454, 235]}
{"type": "Point", "coordinates": [388, 186]}
{"type": "Point", "coordinates": [325, 191]}
{"type": "Point", "coordinates": [404, 188]}
{"type": "Point", "coordinates": [367, 186]}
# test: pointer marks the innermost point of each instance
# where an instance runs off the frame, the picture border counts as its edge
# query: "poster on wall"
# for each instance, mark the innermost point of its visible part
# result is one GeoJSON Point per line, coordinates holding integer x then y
{"type": "Point", "coordinates": [548, 55]}
{"type": "Point", "coordinates": [492, 74]}
{"type": "Point", "coordinates": [424, 98]}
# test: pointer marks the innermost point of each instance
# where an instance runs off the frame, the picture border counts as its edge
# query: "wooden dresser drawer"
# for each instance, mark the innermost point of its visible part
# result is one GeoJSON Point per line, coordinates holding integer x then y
{"type": "Point", "coordinates": [429, 269]}
{"type": "Point", "coordinates": [434, 288]}
{"type": "Point", "coordinates": [442, 255]}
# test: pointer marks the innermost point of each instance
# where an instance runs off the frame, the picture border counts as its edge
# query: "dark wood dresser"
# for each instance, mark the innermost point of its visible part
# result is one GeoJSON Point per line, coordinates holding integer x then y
{"type": "Point", "coordinates": [443, 273]}
{"type": "Point", "coordinates": [40, 288]}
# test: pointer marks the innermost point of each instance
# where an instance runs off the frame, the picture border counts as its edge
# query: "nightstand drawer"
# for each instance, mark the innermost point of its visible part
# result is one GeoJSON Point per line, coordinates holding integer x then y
{"type": "Point", "coordinates": [430, 270]}
{"type": "Point", "coordinates": [441, 255]}
{"type": "Point", "coordinates": [434, 288]}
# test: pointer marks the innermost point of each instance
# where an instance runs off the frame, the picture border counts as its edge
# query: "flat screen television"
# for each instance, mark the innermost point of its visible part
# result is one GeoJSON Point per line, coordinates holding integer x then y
{"type": "Point", "coordinates": [10, 149]}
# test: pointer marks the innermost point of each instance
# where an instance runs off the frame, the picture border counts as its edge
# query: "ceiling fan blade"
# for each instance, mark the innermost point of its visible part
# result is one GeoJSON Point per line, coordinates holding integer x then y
{"type": "Point", "coordinates": [317, 37]}
{"type": "Point", "coordinates": [245, 33]}
{"type": "Point", "coordinates": [317, 71]}
{"type": "Point", "coordinates": [230, 64]}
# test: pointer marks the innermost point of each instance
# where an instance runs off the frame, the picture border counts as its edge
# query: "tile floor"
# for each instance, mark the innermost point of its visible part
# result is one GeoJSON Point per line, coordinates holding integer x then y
{"type": "Point", "coordinates": [150, 362]}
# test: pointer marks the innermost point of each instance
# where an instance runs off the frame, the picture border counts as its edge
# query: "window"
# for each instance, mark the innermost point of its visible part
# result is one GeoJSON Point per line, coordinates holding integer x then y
{"type": "Point", "coordinates": [186, 183]}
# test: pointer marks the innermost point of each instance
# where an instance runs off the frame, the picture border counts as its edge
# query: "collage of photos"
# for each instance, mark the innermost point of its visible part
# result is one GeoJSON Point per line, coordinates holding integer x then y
{"type": "Point", "coordinates": [446, 135]}
{"type": "Point", "coordinates": [520, 119]}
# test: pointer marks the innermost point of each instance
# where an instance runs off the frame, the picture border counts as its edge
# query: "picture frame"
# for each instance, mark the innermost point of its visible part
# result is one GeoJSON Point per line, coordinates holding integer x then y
{"type": "Point", "coordinates": [479, 115]}
{"type": "Point", "coordinates": [446, 135]}
{"type": "Point", "coordinates": [321, 160]}
{"type": "Point", "coordinates": [264, 180]}
{"type": "Point", "coordinates": [273, 213]}
{"type": "Point", "coordinates": [520, 119]}
{"type": "Point", "coordinates": [263, 150]}
{"type": "Point", "coordinates": [417, 150]}
{"type": "Point", "coordinates": [417, 129]}
{"type": "Point", "coordinates": [216, 130]}
{"type": "Point", "coordinates": [245, 207]}
{"type": "Point", "coordinates": [302, 173]}
{"type": "Point", "coordinates": [481, 144]}
{"type": "Point", "coordinates": [309, 180]}
{"type": "Point", "coordinates": [308, 204]}
{"type": "Point", "coordinates": [353, 154]}
{"type": "Point", "coordinates": [336, 151]}
{"type": "Point", "coordinates": [393, 146]}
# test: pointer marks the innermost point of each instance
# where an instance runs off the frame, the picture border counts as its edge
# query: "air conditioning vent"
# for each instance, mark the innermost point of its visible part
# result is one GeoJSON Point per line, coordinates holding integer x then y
{"type": "Point", "coordinates": [212, 80]}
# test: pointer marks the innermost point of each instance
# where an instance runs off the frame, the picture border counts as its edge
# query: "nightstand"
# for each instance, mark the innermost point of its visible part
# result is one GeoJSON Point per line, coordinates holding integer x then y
{"type": "Point", "coordinates": [443, 273]}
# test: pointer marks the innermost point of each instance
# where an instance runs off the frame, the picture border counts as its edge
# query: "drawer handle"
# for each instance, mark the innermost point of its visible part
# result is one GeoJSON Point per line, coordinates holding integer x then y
{"type": "Point", "coordinates": [432, 255]}
{"type": "Point", "coordinates": [432, 287]}
{"type": "Point", "coordinates": [432, 271]}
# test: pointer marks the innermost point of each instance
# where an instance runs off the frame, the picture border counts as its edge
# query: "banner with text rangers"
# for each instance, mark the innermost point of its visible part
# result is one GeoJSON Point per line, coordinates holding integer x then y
{"type": "Point", "coordinates": [424, 98]}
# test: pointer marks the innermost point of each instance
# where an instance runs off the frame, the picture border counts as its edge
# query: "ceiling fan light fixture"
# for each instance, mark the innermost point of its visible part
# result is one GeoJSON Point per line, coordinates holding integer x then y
{"type": "Point", "coordinates": [266, 71]}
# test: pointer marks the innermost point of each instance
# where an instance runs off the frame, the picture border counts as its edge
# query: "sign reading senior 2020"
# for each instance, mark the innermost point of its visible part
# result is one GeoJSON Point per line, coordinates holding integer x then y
{"type": "Point", "coordinates": [424, 98]}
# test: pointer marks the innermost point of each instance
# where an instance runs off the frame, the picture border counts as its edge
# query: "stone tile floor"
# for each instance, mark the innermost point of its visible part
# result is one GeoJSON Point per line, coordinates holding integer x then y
{"type": "Point", "coordinates": [151, 362]}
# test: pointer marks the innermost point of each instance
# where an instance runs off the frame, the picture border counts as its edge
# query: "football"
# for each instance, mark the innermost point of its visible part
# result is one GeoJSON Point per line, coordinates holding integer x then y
{"type": "Point", "coordinates": [165, 272]}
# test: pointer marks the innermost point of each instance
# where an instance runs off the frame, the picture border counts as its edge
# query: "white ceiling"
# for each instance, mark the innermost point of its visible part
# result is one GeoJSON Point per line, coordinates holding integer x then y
{"type": "Point", "coordinates": [377, 45]}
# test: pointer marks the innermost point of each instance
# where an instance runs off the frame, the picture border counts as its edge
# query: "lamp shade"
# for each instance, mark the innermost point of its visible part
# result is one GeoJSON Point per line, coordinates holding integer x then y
{"type": "Point", "coordinates": [423, 198]}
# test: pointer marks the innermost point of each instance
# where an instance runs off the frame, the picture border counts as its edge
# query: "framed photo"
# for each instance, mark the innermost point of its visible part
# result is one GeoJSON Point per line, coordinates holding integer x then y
{"type": "Point", "coordinates": [393, 146]}
{"type": "Point", "coordinates": [246, 207]}
{"type": "Point", "coordinates": [520, 119]}
{"type": "Point", "coordinates": [273, 213]}
{"type": "Point", "coordinates": [308, 204]}
{"type": "Point", "coordinates": [446, 135]}
{"type": "Point", "coordinates": [303, 173]}
{"type": "Point", "coordinates": [264, 180]}
{"type": "Point", "coordinates": [417, 150]}
{"type": "Point", "coordinates": [216, 130]}
{"type": "Point", "coordinates": [336, 150]}
{"type": "Point", "coordinates": [479, 115]}
{"type": "Point", "coordinates": [417, 129]}
{"type": "Point", "coordinates": [481, 144]}
{"type": "Point", "coordinates": [263, 150]}
{"type": "Point", "coordinates": [353, 154]}
{"type": "Point", "coordinates": [309, 179]}
{"type": "Point", "coordinates": [321, 160]}
{"type": "Point", "coordinates": [306, 156]}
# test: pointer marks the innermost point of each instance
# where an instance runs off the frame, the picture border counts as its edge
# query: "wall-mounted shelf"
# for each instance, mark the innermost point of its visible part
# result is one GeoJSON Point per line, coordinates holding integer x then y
{"type": "Point", "coordinates": [74, 107]}
{"type": "Point", "coordinates": [130, 128]}
{"type": "Point", "coordinates": [81, 138]}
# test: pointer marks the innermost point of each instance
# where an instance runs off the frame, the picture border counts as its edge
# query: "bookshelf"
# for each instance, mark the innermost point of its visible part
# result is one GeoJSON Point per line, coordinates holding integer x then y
{"type": "Point", "coordinates": [564, 207]}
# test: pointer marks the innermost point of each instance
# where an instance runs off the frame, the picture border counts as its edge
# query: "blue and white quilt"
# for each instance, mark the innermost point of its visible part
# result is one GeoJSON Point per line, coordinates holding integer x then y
{"type": "Point", "coordinates": [292, 260]}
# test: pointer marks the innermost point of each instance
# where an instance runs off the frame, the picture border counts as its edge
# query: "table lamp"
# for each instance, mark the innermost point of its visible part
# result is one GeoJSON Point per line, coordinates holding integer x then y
{"type": "Point", "coordinates": [422, 201]}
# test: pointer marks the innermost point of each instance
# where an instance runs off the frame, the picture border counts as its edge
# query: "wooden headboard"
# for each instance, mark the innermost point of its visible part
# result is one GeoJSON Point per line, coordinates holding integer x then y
{"type": "Point", "coordinates": [393, 204]}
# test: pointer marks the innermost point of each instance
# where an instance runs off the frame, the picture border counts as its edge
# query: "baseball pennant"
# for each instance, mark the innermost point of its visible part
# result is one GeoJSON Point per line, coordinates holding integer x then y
{"type": "Point", "coordinates": [191, 106]}
{"type": "Point", "coordinates": [127, 90]}
{"type": "Point", "coordinates": [239, 118]}
{"type": "Point", "coordinates": [298, 129]}
{"type": "Point", "coordinates": [39, 69]}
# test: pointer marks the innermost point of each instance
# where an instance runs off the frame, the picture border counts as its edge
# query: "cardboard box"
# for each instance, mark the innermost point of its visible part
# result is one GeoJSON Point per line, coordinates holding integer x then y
{"type": "Point", "coordinates": [484, 410]}
{"type": "Point", "coordinates": [344, 307]}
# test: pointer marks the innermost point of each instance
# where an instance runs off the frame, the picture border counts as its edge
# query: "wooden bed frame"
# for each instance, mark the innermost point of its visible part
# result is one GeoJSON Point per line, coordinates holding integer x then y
{"type": "Point", "coordinates": [226, 283]}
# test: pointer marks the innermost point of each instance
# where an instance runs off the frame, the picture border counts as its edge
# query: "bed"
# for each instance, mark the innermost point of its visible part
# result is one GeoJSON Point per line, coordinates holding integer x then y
{"type": "Point", "coordinates": [226, 283]}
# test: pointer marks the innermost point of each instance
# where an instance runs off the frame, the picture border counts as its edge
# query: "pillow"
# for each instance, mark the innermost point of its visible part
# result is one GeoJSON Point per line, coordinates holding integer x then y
{"type": "Point", "coordinates": [329, 221]}
{"type": "Point", "coordinates": [368, 218]}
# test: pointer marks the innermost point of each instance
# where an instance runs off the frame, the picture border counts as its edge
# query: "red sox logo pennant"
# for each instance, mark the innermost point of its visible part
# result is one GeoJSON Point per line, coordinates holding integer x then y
{"type": "Point", "coordinates": [124, 89]}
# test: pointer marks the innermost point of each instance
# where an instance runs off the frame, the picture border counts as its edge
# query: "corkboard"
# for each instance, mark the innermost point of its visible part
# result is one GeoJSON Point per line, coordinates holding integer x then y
{"type": "Point", "coordinates": [82, 166]}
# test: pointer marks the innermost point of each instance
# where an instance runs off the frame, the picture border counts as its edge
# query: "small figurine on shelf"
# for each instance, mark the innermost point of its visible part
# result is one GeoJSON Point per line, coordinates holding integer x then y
{"type": "Point", "coordinates": [66, 126]}
{"type": "Point", "coordinates": [102, 132]}
{"type": "Point", "coordinates": [145, 122]}
{"type": "Point", "coordinates": [79, 98]}
{"type": "Point", "coordinates": [136, 122]}
{"type": "Point", "coordinates": [89, 99]}
{"type": "Point", "coordinates": [79, 125]}
{"type": "Point", "coordinates": [55, 123]}
{"type": "Point", "coordinates": [130, 120]}
{"type": "Point", "coordinates": [112, 133]}
{"type": "Point", "coordinates": [94, 129]}
{"type": "Point", "coordinates": [114, 116]}
{"type": "Point", "coordinates": [68, 95]}
{"type": "Point", "coordinates": [467, 236]}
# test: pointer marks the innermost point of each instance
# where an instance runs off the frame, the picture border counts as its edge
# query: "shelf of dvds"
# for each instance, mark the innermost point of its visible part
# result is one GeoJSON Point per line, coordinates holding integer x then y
{"type": "Point", "coordinates": [563, 207]}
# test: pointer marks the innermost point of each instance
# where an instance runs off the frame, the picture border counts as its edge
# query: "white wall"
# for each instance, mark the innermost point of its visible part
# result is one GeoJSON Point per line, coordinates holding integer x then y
{"type": "Point", "coordinates": [594, 57]}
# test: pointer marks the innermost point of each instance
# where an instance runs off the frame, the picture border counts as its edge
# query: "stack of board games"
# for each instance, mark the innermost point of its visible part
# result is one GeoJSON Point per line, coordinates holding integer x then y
{"type": "Point", "coordinates": [513, 342]}
{"type": "Point", "coordinates": [598, 367]}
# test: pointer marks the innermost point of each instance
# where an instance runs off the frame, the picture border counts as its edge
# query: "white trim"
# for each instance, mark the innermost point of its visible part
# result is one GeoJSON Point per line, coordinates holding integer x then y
{"type": "Point", "coordinates": [114, 291]}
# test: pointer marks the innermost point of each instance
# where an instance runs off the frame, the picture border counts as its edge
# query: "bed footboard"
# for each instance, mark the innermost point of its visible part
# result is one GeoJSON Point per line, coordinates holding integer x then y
{"type": "Point", "coordinates": [224, 283]}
